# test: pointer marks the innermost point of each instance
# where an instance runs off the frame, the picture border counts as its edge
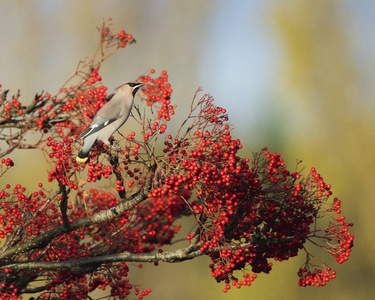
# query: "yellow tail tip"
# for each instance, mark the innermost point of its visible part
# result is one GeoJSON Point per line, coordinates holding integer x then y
{"type": "Point", "coordinates": [81, 160]}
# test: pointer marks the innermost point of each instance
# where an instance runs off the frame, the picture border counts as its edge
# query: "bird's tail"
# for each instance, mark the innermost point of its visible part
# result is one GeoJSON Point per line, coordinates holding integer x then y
{"type": "Point", "coordinates": [88, 141]}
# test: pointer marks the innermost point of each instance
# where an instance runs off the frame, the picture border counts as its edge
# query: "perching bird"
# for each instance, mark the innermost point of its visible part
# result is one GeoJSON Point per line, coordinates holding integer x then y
{"type": "Point", "coordinates": [108, 119]}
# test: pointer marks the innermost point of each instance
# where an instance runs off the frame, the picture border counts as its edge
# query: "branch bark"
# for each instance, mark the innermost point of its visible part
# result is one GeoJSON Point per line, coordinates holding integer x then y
{"type": "Point", "coordinates": [84, 265]}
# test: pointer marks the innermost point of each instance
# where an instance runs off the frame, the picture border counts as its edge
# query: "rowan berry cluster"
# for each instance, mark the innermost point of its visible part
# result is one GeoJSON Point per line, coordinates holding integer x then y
{"type": "Point", "coordinates": [6, 164]}
{"type": "Point", "coordinates": [13, 108]}
{"type": "Point", "coordinates": [27, 213]}
{"type": "Point", "coordinates": [158, 91]}
{"type": "Point", "coordinates": [95, 77]}
{"type": "Point", "coordinates": [318, 278]}
{"type": "Point", "coordinates": [125, 38]}
{"type": "Point", "coordinates": [157, 216]}
{"type": "Point", "coordinates": [110, 38]}
{"type": "Point", "coordinates": [61, 152]}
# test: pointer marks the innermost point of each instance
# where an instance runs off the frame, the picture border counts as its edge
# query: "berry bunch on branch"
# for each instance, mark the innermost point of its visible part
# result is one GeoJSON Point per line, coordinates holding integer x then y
{"type": "Point", "coordinates": [76, 238]}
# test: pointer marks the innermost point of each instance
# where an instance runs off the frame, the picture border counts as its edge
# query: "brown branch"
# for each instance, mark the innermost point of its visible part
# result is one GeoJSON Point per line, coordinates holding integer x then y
{"type": "Point", "coordinates": [92, 263]}
{"type": "Point", "coordinates": [35, 289]}
{"type": "Point", "coordinates": [64, 206]}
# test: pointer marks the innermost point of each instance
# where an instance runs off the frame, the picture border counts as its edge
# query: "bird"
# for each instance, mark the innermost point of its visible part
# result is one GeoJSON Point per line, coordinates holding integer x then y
{"type": "Point", "coordinates": [108, 119]}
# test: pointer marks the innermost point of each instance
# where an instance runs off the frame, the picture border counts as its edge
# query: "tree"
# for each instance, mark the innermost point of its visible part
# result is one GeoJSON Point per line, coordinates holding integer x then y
{"type": "Point", "coordinates": [70, 241]}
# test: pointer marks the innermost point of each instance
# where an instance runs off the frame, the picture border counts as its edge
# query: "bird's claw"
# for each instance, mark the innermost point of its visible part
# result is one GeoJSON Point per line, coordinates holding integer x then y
{"type": "Point", "coordinates": [117, 148]}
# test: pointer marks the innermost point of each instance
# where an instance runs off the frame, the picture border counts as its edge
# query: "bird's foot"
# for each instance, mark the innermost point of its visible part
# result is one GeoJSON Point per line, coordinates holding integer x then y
{"type": "Point", "coordinates": [116, 146]}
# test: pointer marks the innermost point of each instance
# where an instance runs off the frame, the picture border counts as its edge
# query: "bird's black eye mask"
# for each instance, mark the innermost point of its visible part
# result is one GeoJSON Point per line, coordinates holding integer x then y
{"type": "Point", "coordinates": [135, 87]}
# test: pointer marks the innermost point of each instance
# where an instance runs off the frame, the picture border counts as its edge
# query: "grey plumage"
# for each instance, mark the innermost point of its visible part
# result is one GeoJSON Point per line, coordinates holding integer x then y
{"type": "Point", "coordinates": [109, 118]}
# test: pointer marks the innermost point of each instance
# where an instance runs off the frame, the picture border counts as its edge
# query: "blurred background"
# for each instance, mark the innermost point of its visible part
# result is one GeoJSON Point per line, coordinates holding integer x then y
{"type": "Point", "coordinates": [296, 76]}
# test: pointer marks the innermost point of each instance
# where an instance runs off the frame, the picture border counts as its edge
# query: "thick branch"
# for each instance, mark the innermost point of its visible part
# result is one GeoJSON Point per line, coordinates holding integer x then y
{"type": "Point", "coordinates": [92, 263]}
{"type": "Point", "coordinates": [64, 206]}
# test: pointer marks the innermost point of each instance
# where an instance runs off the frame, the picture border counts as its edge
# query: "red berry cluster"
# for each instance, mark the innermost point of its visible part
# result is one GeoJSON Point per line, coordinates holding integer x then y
{"type": "Point", "coordinates": [8, 291]}
{"type": "Point", "coordinates": [95, 77]}
{"type": "Point", "coordinates": [158, 91]}
{"type": "Point", "coordinates": [153, 226]}
{"type": "Point", "coordinates": [114, 276]}
{"type": "Point", "coordinates": [38, 114]}
{"type": "Point", "coordinates": [119, 288]}
{"type": "Point", "coordinates": [13, 108]}
{"type": "Point", "coordinates": [228, 260]}
{"type": "Point", "coordinates": [125, 38]}
{"type": "Point", "coordinates": [344, 240]}
{"type": "Point", "coordinates": [45, 113]}
{"type": "Point", "coordinates": [157, 216]}
{"type": "Point", "coordinates": [97, 170]}
{"type": "Point", "coordinates": [248, 279]}
{"type": "Point", "coordinates": [120, 39]}
{"type": "Point", "coordinates": [67, 285]}
{"type": "Point", "coordinates": [96, 201]}
{"type": "Point", "coordinates": [59, 128]}
{"type": "Point", "coordinates": [24, 210]}
{"type": "Point", "coordinates": [6, 164]}
{"type": "Point", "coordinates": [106, 234]}
{"type": "Point", "coordinates": [315, 278]}
{"type": "Point", "coordinates": [62, 152]}
{"type": "Point", "coordinates": [216, 114]}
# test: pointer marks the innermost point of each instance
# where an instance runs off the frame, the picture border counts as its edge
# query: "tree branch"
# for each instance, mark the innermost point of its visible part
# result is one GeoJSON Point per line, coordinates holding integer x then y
{"type": "Point", "coordinates": [64, 205]}
{"type": "Point", "coordinates": [84, 265]}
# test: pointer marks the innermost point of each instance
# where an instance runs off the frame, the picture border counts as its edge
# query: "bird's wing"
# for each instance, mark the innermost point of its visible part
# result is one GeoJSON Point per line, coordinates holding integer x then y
{"type": "Point", "coordinates": [105, 116]}
{"type": "Point", "coordinates": [96, 125]}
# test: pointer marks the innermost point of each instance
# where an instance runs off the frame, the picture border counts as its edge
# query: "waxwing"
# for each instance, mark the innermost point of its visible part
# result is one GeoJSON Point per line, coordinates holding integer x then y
{"type": "Point", "coordinates": [108, 119]}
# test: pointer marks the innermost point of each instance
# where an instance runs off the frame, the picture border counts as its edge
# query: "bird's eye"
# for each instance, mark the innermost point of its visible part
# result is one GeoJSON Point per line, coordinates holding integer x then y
{"type": "Point", "coordinates": [131, 84]}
